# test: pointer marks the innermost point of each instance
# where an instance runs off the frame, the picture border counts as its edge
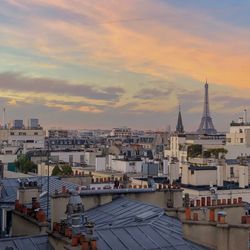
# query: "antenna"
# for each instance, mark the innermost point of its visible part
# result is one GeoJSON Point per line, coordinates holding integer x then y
{"type": "Point", "coordinates": [4, 118]}
{"type": "Point", "coordinates": [245, 112]}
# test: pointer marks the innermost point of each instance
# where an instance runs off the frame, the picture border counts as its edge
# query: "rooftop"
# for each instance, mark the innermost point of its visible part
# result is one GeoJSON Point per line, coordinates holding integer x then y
{"type": "Point", "coordinates": [239, 124]}
{"type": "Point", "coordinates": [200, 168]}
{"type": "Point", "coordinates": [40, 242]}
{"type": "Point", "coordinates": [130, 224]}
{"type": "Point", "coordinates": [10, 186]}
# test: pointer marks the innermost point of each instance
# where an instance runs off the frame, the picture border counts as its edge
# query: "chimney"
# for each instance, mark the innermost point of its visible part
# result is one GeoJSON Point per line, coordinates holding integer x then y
{"type": "Point", "coordinates": [90, 240]}
{"type": "Point", "coordinates": [222, 217]}
{"type": "Point", "coordinates": [28, 190]}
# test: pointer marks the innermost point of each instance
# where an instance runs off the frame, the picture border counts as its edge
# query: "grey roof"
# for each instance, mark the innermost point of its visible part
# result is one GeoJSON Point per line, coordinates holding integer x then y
{"type": "Point", "coordinates": [40, 242]}
{"type": "Point", "coordinates": [123, 212]}
{"type": "Point", "coordinates": [244, 161]}
{"type": "Point", "coordinates": [201, 168]}
{"type": "Point", "coordinates": [232, 161]}
{"type": "Point", "coordinates": [129, 224]}
{"type": "Point", "coordinates": [10, 186]}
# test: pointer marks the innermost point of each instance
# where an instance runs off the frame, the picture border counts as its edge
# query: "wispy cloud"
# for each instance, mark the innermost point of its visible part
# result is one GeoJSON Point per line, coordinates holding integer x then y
{"type": "Point", "coordinates": [17, 82]}
{"type": "Point", "coordinates": [152, 93]}
{"type": "Point", "coordinates": [57, 94]}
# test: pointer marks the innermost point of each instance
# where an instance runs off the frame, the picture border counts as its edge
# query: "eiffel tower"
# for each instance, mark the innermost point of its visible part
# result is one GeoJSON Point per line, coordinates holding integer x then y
{"type": "Point", "coordinates": [206, 125]}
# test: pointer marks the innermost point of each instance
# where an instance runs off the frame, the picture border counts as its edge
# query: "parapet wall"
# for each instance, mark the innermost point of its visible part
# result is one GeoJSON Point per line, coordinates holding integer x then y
{"type": "Point", "coordinates": [82, 180]}
{"type": "Point", "coordinates": [217, 226]}
{"type": "Point", "coordinates": [23, 225]}
{"type": "Point", "coordinates": [217, 236]}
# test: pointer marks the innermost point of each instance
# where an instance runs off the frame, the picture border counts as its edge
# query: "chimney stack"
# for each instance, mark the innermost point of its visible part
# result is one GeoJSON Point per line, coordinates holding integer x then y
{"type": "Point", "coordinates": [27, 191]}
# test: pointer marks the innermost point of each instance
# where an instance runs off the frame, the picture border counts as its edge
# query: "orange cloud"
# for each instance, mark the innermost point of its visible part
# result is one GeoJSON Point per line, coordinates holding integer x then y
{"type": "Point", "coordinates": [12, 102]}
{"type": "Point", "coordinates": [66, 107]}
{"type": "Point", "coordinates": [154, 47]}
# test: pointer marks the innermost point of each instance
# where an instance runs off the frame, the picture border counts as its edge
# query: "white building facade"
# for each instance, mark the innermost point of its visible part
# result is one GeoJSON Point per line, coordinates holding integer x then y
{"type": "Point", "coordinates": [126, 166]}
{"type": "Point", "coordinates": [238, 140]}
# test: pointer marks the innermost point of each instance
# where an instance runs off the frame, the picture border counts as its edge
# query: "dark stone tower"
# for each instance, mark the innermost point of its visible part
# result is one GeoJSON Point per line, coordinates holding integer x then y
{"type": "Point", "coordinates": [206, 125]}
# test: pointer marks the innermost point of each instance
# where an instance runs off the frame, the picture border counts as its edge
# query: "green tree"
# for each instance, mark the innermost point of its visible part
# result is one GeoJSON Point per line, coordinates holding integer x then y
{"type": "Point", "coordinates": [194, 150]}
{"type": "Point", "coordinates": [25, 165]}
{"type": "Point", "coordinates": [67, 170]}
{"type": "Point", "coordinates": [62, 170]}
{"type": "Point", "coordinates": [216, 151]}
{"type": "Point", "coordinates": [56, 170]}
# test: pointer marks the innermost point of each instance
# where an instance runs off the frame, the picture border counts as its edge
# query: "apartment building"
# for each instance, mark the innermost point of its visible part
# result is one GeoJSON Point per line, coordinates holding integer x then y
{"type": "Point", "coordinates": [238, 139]}
{"type": "Point", "coordinates": [121, 132]}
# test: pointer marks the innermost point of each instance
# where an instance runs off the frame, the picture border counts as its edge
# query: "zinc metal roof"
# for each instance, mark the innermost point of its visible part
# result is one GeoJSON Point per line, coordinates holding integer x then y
{"type": "Point", "coordinates": [232, 161]}
{"type": "Point", "coordinates": [40, 242]}
{"type": "Point", "coordinates": [10, 186]}
{"type": "Point", "coordinates": [129, 224]}
{"type": "Point", "coordinates": [141, 237]}
{"type": "Point", "coordinates": [123, 211]}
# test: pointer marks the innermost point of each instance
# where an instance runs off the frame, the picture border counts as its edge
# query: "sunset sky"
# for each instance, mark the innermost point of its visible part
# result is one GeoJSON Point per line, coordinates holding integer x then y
{"type": "Point", "coordinates": [108, 63]}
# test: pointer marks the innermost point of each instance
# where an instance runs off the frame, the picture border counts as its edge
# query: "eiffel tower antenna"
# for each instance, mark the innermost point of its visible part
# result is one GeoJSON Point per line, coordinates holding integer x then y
{"type": "Point", "coordinates": [206, 125]}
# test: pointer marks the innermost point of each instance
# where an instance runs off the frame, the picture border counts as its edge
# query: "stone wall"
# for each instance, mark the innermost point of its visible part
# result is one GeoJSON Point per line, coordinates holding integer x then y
{"type": "Point", "coordinates": [217, 235]}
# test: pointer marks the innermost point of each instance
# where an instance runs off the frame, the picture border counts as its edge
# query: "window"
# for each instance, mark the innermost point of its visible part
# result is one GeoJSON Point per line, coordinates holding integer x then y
{"type": "Point", "coordinates": [70, 158]}
{"type": "Point", "coordinates": [81, 158]}
{"type": "Point", "coordinates": [12, 133]}
{"type": "Point", "coordinates": [36, 133]}
{"type": "Point", "coordinates": [241, 140]}
{"type": "Point", "coordinates": [132, 164]}
{"type": "Point", "coordinates": [192, 171]}
{"type": "Point", "coordinates": [231, 172]}
{"type": "Point", "coordinates": [54, 158]}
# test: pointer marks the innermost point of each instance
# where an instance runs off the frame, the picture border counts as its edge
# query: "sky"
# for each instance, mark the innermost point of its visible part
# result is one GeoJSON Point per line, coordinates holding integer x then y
{"type": "Point", "coordinates": [109, 63]}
